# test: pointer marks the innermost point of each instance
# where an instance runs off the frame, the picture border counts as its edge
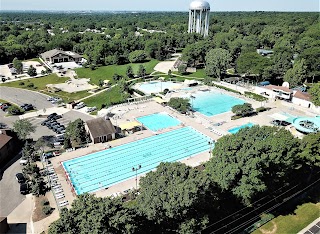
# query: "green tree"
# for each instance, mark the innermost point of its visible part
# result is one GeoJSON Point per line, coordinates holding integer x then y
{"type": "Point", "coordinates": [32, 71]}
{"type": "Point", "coordinates": [172, 194]}
{"type": "Point", "coordinates": [17, 64]}
{"type": "Point", "coordinates": [315, 94]}
{"type": "Point", "coordinates": [243, 110]}
{"type": "Point", "coordinates": [182, 68]}
{"type": "Point", "coordinates": [217, 61]}
{"type": "Point", "coordinates": [137, 56]}
{"type": "Point", "coordinates": [180, 104]}
{"type": "Point", "coordinates": [23, 128]}
{"type": "Point", "coordinates": [14, 110]}
{"type": "Point", "coordinates": [170, 73]}
{"type": "Point", "coordinates": [252, 63]}
{"type": "Point", "coordinates": [76, 133]}
{"type": "Point", "coordinates": [129, 72]}
{"type": "Point", "coordinates": [296, 75]}
{"type": "Point", "coordinates": [310, 149]}
{"type": "Point", "coordinates": [141, 71]}
{"type": "Point", "coordinates": [253, 161]}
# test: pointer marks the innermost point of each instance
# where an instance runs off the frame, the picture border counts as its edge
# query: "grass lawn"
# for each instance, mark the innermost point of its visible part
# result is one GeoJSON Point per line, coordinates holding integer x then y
{"type": "Point", "coordinates": [200, 73]}
{"type": "Point", "coordinates": [112, 95]}
{"type": "Point", "coordinates": [106, 72]}
{"type": "Point", "coordinates": [293, 223]}
{"type": "Point", "coordinates": [39, 83]}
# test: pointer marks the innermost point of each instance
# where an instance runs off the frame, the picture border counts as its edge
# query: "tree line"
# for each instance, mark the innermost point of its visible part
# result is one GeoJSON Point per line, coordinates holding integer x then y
{"type": "Point", "coordinates": [244, 168]}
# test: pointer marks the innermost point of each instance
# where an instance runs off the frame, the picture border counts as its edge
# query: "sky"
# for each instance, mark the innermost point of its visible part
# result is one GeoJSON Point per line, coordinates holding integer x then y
{"type": "Point", "coordinates": [160, 5]}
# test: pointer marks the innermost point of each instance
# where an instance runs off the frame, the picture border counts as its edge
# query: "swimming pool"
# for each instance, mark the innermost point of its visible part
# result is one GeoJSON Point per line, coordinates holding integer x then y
{"type": "Point", "coordinates": [211, 103]}
{"type": "Point", "coordinates": [158, 121]}
{"type": "Point", "coordinates": [102, 169]}
{"type": "Point", "coordinates": [237, 129]}
{"type": "Point", "coordinates": [157, 86]}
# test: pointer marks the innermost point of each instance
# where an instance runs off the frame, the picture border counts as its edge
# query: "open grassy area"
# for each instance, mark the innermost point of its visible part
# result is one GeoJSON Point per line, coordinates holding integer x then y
{"type": "Point", "coordinates": [112, 95]}
{"type": "Point", "coordinates": [39, 83]}
{"type": "Point", "coordinates": [106, 72]}
{"type": "Point", "coordinates": [200, 73]}
{"type": "Point", "coordinates": [292, 223]}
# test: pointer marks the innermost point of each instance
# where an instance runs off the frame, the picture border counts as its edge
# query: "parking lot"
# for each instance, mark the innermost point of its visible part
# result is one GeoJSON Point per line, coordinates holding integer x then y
{"type": "Point", "coordinates": [10, 196]}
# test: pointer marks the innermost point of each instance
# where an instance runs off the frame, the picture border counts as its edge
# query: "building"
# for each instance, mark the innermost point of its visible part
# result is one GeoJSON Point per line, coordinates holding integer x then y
{"type": "Point", "coordinates": [199, 17]}
{"type": "Point", "coordinates": [9, 146]}
{"type": "Point", "coordinates": [100, 130]}
{"type": "Point", "coordinates": [59, 56]}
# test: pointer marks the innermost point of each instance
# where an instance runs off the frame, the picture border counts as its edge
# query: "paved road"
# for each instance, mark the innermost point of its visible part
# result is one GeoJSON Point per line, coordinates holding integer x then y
{"type": "Point", "coordinates": [10, 196]}
{"type": "Point", "coordinates": [21, 96]}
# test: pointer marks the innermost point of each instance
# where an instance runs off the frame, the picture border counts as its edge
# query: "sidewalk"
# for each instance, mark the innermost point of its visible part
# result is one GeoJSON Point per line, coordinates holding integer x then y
{"type": "Point", "coordinates": [312, 228]}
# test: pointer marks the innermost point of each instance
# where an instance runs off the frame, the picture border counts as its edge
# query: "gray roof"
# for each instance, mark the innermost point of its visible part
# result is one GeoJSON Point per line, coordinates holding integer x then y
{"type": "Point", "coordinates": [54, 52]}
{"type": "Point", "coordinates": [100, 127]}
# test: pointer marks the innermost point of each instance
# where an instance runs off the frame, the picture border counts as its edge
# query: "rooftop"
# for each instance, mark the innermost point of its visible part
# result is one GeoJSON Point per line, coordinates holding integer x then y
{"type": "Point", "coordinates": [199, 5]}
{"type": "Point", "coordinates": [100, 127]}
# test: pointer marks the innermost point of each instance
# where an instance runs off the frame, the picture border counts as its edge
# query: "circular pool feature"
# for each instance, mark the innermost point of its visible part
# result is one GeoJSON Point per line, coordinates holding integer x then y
{"type": "Point", "coordinates": [307, 124]}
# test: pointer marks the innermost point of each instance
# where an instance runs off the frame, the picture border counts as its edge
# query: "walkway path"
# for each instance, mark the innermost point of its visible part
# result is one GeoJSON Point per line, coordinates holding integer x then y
{"type": "Point", "coordinates": [167, 65]}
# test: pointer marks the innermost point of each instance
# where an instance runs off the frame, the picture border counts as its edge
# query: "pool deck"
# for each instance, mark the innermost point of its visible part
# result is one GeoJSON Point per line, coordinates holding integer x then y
{"type": "Point", "coordinates": [198, 122]}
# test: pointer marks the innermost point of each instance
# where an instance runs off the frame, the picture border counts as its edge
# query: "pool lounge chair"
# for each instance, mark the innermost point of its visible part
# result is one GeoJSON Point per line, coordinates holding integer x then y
{"type": "Point", "coordinates": [63, 203]}
{"type": "Point", "coordinates": [59, 196]}
{"type": "Point", "coordinates": [56, 191]}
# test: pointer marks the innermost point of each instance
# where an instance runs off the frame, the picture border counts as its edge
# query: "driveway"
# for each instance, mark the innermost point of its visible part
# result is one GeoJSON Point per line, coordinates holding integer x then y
{"type": "Point", "coordinates": [21, 96]}
{"type": "Point", "coordinates": [10, 196]}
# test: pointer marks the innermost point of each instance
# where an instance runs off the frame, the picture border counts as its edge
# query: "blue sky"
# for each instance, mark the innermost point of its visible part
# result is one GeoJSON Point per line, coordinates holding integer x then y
{"type": "Point", "coordinates": [160, 5]}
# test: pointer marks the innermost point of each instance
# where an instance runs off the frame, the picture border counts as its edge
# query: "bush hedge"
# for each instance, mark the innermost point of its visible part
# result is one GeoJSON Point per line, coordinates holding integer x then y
{"type": "Point", "coordinates": [255, 96]}
{"type": "Point", "coordinates": [227, 89]}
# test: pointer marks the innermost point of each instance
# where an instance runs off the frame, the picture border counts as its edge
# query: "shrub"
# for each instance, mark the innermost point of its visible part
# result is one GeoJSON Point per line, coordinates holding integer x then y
{"type": "Point", "coordinates": [46, 210]}
{"type": "Point", "coordinates": [227, 89]}
{"type": "Point", "coordinates": [262, 109]}
{"type": "Point", "coordinates": [234, 117]}
{"type": "Point", "coordinates": [21, 83]}
{"type": "Point", "coordinates": [31, 85]}
{"type": "Point", "coordinates": [45, 202]}
{"type": "Point", "coordinates": [255, 96]}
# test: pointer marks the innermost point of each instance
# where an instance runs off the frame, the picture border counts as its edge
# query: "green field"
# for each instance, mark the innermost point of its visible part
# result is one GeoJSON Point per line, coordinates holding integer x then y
{"type": "Point", "coordinates": [293, 223]}
{"type": "Point", "coordinates": [200, 73]}
{"type": "Point", "coordinates": [106, 72]}
{"type": "Point", "coordinates": [39, 83]}
{"type": "Point", "coordinates": [112, 95]}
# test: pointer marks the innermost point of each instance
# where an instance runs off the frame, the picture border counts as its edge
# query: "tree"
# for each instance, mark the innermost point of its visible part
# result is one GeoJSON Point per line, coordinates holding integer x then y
{"type": "Point", "coordinates": [76, 133]}
{"type": "Point", "coordinates": [117, 77]}
{"type": "Point", "coordinates": [90, 214]}
{"type": "Point", "coordinates": [129, 72]}
{"type": "Point", "coordinates": [310, 150]}
{"type": "Point", "coordinates": [141, 71]}
{"type": "Point", "coordinates": [217, 61]}
{"type": "Point", "coordinates": [170, 73]}
{"type": "Point", "coordinates": [14, 110]}
{"type": "Point", "coordinates": [17, 64]}
{"type": "Point", "coordinates": [32, 71]}
{"type": "Point", "coordinates": [315, 94]}
{"type": "Point", "coordinates": [296, 75]}
{"type": "Point", "coordinates": [180, 104]}
{"type": "Point", "coordinates": [137, 56]}
{"type": "Point", "coordinates": [252, 63]}
{"type": "Point", "coordinates": [253, 161]}
{"type": "Point", "coordinates": [243, 110]}
{"type": "Point", "coordinates": [101, 83]}
{"type": "Point", "coordinates": [23, 128]}
{"type": "Point", "coordinates": [172, 194]}
{"type": "Point", "coordinates": [182, 68]}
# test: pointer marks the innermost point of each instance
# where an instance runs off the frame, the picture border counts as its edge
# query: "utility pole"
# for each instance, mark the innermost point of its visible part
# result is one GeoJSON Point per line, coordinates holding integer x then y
{"type": "Point", "coordinates": [135, 169]}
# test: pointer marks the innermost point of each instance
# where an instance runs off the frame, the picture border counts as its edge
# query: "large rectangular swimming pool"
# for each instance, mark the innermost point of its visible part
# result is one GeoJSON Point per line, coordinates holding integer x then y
{"type": "Point", "coordinates": [105, 168]}
{"type": "Point", "coordinates": [158, 121]}
{"type": "Point", "coordinates": [211, 103]}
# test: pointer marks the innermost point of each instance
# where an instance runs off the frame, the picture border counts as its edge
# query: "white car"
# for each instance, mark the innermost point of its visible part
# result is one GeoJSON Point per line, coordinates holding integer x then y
{"type": "Point", "coordinates": [23, 162]}
{"type": "Point", "coordinates": [91, 109]}
{"type": "Point", "coordinates": [80, 105]}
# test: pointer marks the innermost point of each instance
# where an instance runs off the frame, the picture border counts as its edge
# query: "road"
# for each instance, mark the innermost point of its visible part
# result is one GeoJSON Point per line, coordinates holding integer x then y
{"type": "Point", "coordinates": [21, 96]}
{"type": "Point", "coordinates": [10, 196]}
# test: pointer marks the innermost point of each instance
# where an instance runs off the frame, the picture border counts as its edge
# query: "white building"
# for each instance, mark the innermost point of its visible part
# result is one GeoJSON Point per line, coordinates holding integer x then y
{"type": "Point", "coordinates": [199, 17]}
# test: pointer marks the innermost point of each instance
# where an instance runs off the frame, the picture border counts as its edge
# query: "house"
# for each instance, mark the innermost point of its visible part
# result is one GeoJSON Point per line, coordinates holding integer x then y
{"type": "Point", "coordinates": [9, 146]}
{"type": "Point", "coordinates": [280, 92]}
{"type": "Point", "coordinates": [59, 56]}
{"type": "Point", "coordinates": [100, 130]}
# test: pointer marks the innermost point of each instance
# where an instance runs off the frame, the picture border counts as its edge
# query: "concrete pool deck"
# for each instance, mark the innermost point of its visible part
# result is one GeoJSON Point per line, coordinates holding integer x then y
{"type": "Point", "coordinates": [199, 122]}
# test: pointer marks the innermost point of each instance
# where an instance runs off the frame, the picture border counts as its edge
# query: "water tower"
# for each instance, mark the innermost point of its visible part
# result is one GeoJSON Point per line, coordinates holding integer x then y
{"type": "Point", "coordinates": [199, 17]}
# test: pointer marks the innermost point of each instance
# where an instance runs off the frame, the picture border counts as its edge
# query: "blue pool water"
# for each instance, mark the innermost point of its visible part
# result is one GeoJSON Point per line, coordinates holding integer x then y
{"type": "Point", "coordinates": [157, 86]}
{"type": "Point", "coordinates": [158, 121]}
{"type": "Point", "coordinates": [213, 102]}
{"type": "Point", "coordinates": [102, 169]}
{"type": "Point", "coordinates": [237, 129]}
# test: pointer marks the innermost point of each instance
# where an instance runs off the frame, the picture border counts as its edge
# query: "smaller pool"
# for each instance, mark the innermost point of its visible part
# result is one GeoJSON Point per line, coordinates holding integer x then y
{"type": "Point", "coordinates": [158, 121]}
{"type": "Point", "coordinates": [237, 129]}
{"type": "Point", "coordinates": [157, 86]}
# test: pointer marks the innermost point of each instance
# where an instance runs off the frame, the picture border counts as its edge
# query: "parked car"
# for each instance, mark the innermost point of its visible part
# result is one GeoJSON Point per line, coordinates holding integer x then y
{"type": "Point", "coordinates": [91, 109]}
{"type": "Point", "coordinates": [23, 162]}
{"type": "Point", "coordinates": [50, 99]}
{"type": "Point", "coordinates": [27, 107]}
{"type": "Point", "coordinates": [24, 188]}
{"type": "Point", "coordinates": [80, 105]}
{"type": "Point", "coordinates": [5, 106]}
{"type": "Point", "coordinates": [20, 178]}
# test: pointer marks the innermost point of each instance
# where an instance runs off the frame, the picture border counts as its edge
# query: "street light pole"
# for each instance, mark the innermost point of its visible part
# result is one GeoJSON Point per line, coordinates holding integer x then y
{"type": "Point", "coordinates": [136, 170]}
{"type": "Point", "coordinates": [210, 143]}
